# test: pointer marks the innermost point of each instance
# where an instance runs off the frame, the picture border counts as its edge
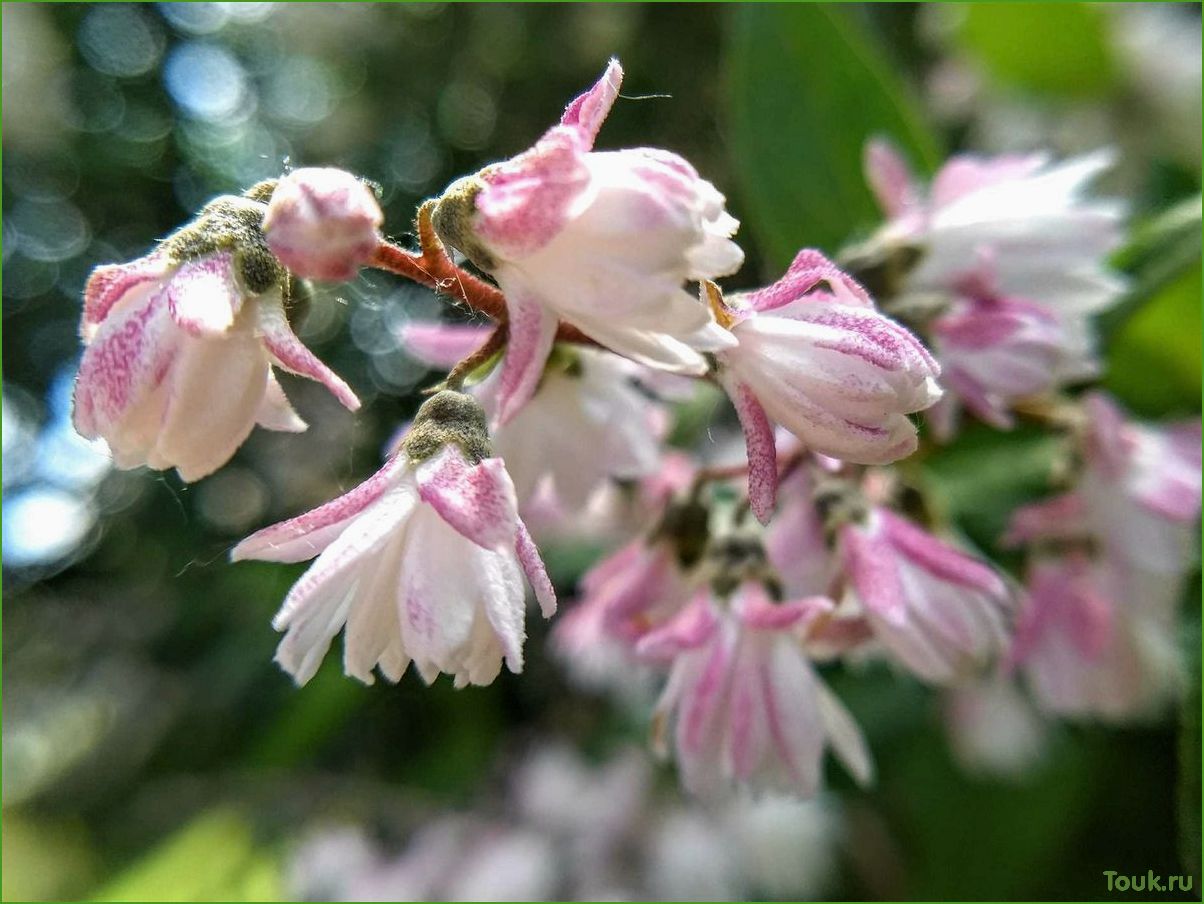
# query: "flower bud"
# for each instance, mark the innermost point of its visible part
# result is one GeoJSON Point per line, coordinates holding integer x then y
{"type": "Point", "coordinates": [323, 223]}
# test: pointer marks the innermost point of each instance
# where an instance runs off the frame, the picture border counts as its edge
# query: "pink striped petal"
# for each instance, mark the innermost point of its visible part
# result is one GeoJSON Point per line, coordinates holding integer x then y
{"type": "Point", "coordinates": [291, 354]}
{"type": "Point", "coordinates": [307, 535]}
{"type": "Point", "coordinates": [965, 174]}
{"type": "Point", "coordinates": [533, 568]}
{"type": "Point", "coordinates": [589, 111]}
{"type": "Point", "coordinates": [441, 344]}
{"type": "Point", "coordinates": [688, 630]}
{"type": "Point", "coordinates": [748, 733]}
{"type": "Point", "coordinates": [809, 270]}
{"type": "Point", "coordinates": [871, 567]}
{"type": "Point", "coordinates": [792, 715]}
{"type": "Point", "coordinates": [129, 358]}
{"type": "Point", "coordinates": [761, 450]}
{"type": "Point", "coordinates": [532, 329]}
{"type": "Point", "coordinates": [526, 201]}
{"type": "Point", "coordinates": [203, 297]}
{"type": "Point", "coordinates": [939, 558]}
{"type": "Point", "coordinates": [702, 703]}
{"type": "Point", "coordinates": [109, 284]}
{"type": "Point", "coordinates": [756, 610]}
{"type": "Point", "coordinates": [1061, 517]}
{"type": "Point", "coordinates": [889, 178]}
{"type": "Point", "coordinates": [477, 500]}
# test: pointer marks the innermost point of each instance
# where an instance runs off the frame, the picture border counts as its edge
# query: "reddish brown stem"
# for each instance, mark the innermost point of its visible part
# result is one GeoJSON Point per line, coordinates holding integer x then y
{"type": "Point", "coordinates": [433, 267]}
{"type": "Point", "coordinates": [492, 345]}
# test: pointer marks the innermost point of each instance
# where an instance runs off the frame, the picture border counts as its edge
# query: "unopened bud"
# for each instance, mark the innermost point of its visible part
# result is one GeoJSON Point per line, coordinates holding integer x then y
{"type": "Point", "coordinates": [323, 223]}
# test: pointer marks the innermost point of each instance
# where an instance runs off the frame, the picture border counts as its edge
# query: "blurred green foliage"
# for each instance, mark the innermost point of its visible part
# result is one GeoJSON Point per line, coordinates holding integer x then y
{"type": "Point", "coordinates": [806, 87]}
{"type": "Point", "coordinates": [212, 858]}
{"type": "Point", "coordinates": [1059, 48]}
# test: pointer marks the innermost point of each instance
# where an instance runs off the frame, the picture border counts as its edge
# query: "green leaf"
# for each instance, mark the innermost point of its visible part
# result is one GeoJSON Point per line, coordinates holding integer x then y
{"type": "Point", "coordinates": [805, 89]}
{"type": "Point", "coordinates": [966, 833]}
{"type": "Point", "coordinates": [309, 718]}
{"type": "Point", "coordinates": [1154, 356]}
{"type": "Point", "coordinates": [45, 859]}
{"type": "Point", "coordinates": [213, 858]}
{"type": "Point", "coordinates": [978, 480]}
{"type": "Point", "coordinates": [1059, 48]}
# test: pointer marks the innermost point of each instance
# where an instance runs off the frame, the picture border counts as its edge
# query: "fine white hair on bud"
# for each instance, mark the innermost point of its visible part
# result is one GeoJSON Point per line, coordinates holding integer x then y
{"type": "Point", "coordinates": [323, 223]}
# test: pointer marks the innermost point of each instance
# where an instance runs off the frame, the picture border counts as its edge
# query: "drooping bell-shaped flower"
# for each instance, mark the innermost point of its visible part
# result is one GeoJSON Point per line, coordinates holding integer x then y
{"type": "Point", "coordinates": [743, 705]}
{"type": "Point", "coordinates": [601, 240]}
{"type": "Point", "coordinates": [1141, 487]}
{"type": "Point", "coordinates": [1025, 216]}
{"type": "Point", "coordinates": [816, 357]}
{"type": "Point", "coordinates": [586, 424]}
{"type": "Point", "coordinates": [995, 352]}
{"type": "Point", "coordinates": [648, 580]}
{"type": "Point", "coordinates": [1137, 497]}
{"type": "Point", "coordinates": [1096, 638]}
{"type": "Point", "coordinates": [424, 561]}
{"type": "Point", "coordinates": [180, 346]}
{"type": "Point", "coordinates": [323, 223]}
{"type": "Point", "coordinates": [943, 614]}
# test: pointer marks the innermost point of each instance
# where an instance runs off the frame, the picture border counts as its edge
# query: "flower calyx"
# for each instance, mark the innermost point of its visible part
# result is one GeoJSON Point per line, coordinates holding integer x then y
{"type": "Point", "coordinates": [449, 417]}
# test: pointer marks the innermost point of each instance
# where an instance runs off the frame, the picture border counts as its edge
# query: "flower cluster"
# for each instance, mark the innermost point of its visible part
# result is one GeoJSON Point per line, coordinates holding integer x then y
{"type": "Point", "coordinates": [1007, 265]}
{"type": "Point", "coordinates": [569, 830]}
{"type": "Point", "coordinates": [1108, 562]}
{"type": "Point", "coordinates": [741, 626]}
{"type": "Point", "coordinates": [598, 271]}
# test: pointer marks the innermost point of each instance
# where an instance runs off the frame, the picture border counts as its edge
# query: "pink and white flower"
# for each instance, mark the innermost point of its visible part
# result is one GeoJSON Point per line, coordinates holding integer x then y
{"type": "Point", "coordinates": [586, 424]}
{"type": "Point", "coordinates": [323, 223]}
{"type": "Point", "coordinates": [1138, 494]}
{"type": "Point", "coordinates": [177, 368]}
{"type": "Point", "coordinates": [636, 588]}
{"type": "Point", "coordinates": [602, 240]}
{"type": "Point", "coordinates": [994, 352]}
{"type": "Point", "coordinates": [424, 561]}
{"type": "Point", "coordinates": [1089, 644]}
{"type": "Point", "coordinates": [746, 705]}
{"type": "Point", "coordinates": [1024, 216]}
{"type": "Point", "coordinates": [816, 357]}
{"type": "Point", "coordinates": [943, 614]}
{"type": "Point", "coordinates": [1141, 487]}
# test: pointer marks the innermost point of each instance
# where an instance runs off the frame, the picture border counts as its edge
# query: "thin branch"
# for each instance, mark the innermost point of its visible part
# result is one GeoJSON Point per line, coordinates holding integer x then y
{"type": "Point", "coordinates": [434, 268]}
{"type": "Point", "coordinates": [495, 343]}
{"type": "Point", "coordinates": [787, 462]}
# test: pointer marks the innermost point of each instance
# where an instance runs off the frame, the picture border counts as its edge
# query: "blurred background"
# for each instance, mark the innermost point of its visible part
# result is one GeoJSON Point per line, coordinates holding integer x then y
{"type": "Point", "coordinates": [151, 749]}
